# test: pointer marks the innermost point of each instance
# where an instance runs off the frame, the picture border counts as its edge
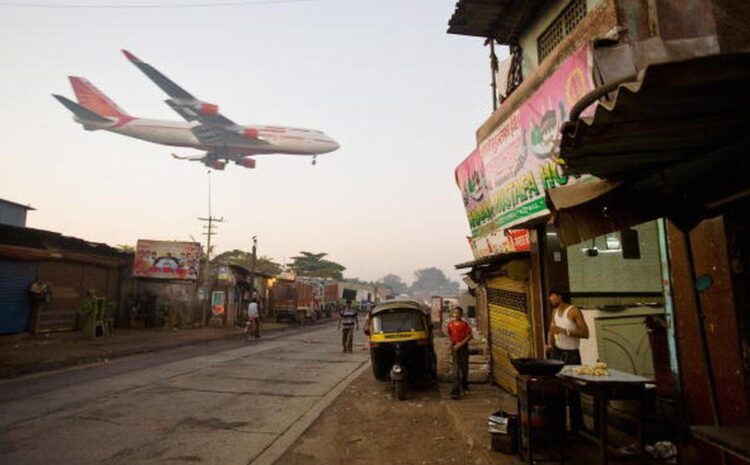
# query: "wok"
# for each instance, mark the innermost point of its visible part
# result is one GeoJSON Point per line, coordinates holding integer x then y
{"type": "Point", "coordinates": [537, 366]}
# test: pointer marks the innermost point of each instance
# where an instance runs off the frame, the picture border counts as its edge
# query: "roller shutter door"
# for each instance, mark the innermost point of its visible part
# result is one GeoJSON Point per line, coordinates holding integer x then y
{"type": "Point", "coordinates": [510, 327]}
{"type": "Point", "coordinates": [15, 309]}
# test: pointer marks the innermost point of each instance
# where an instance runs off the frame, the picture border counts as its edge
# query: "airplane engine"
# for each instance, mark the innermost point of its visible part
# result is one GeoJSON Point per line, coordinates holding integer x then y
{"type": "Point", "coordinates": [247, 162]}
{"type": "Point", "coordinates": [216, 164]}
{"type": "Point", "coordinates": [250, 133]}
{"type": "Point", "coordinates": [208, 109]}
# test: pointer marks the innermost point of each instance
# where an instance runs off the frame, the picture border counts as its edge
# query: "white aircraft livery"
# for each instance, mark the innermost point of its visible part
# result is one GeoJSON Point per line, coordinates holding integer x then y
{"type": "Point", "coordinates": [205, 128]}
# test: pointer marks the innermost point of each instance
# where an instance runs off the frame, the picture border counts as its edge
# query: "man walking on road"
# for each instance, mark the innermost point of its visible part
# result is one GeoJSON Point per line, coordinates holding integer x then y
{"type": "Point", "coordinates": [459, 332]}
{"type": "Point", "coordinates": [347, 324]}
{"type": "Point", "coordinates": [253, 315]}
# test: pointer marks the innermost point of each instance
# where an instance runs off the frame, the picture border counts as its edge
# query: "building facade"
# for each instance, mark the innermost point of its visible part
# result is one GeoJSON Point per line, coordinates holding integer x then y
{"type": "Point", "coordinates": [13, 214]}
{"type": "Point", "coordinates": [611, 168]}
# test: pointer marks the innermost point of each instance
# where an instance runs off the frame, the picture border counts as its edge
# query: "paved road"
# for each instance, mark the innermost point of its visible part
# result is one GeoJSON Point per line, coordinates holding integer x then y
{"type": "Point", "coordinates": [228, 404]}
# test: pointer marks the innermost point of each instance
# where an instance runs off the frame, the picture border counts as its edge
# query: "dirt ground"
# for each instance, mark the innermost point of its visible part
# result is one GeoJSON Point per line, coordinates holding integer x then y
{"type": "Point", "coordinates": [366, 425]}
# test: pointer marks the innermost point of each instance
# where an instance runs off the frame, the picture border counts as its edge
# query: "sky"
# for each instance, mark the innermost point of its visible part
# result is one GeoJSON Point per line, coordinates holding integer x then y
{"type": "Point", "coordinates": [382, 77]}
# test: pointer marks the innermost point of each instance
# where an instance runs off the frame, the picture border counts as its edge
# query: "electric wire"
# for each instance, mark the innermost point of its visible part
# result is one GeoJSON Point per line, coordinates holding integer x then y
{"type": "Point", "coordinates": [133, 6]}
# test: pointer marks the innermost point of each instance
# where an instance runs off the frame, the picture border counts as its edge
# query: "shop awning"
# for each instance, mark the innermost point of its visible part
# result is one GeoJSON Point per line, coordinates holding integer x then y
{"type": "Point", "coordinates": [674, 112]}
{"type": "Point", "coordinates": [673, 144]}
{"type": "Point", "coordinates": [502, 20]}
{"type": "Point", "coordinates": [492, 260]}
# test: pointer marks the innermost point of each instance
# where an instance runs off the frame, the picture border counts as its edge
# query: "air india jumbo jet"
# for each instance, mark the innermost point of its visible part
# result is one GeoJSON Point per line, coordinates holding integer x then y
{"type": "Point", "coordinates": [206, 129]}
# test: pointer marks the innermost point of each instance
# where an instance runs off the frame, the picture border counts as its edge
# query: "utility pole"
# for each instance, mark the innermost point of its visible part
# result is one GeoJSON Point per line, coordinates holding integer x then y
{"type": "Point", "coordinates": [494, 69]}
{"type": "Point", "coordinates": [253, 263]}
{"type": "Point", "coordinates": [209, 232]}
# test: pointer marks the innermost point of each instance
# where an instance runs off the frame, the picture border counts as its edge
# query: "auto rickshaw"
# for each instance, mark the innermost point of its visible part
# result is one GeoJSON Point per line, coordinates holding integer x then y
{"type": "Point", "coordinates": [401, 346]}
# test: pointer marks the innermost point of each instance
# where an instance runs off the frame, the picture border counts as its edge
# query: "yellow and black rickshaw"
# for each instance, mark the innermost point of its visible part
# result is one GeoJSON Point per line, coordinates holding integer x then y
{"type": "Point", "coordinates": [401, 348]}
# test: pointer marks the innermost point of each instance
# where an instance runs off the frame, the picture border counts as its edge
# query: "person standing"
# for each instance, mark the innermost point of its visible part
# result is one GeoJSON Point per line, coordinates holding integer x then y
{"type": "Point", "coordinates": [253, 316]}
{"type": "Point", "coordinates": [347, 323]}
{"type": "Point", "coordinates": [567, 328]}
{"type": "Point", "coordinates": [460, 334]}
{"type": "Point", "coordinates": [40, 294]}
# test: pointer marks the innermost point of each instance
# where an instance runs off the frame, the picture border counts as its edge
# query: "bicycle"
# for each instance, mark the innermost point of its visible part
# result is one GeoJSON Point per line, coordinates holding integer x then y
{"type": "Point", "coordinates": [255, 325]}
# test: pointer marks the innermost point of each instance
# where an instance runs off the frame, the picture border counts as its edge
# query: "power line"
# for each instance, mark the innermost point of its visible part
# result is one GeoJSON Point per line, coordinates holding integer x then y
{"type": "Point", "coordinates": [135, 6]}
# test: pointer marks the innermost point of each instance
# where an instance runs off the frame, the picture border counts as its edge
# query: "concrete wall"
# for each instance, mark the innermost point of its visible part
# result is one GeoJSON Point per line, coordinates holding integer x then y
{"type": "Point", "coordinates": [528, 40]}
{"type": "Point", "coordinates": [180, 295]}
{"type": "Point", "coordinates": [732, 20]}
{"type": "Point", "coordinates": [610, 272]}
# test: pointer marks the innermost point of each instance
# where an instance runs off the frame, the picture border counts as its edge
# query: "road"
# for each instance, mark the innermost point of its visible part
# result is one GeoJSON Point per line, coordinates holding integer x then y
{"type": "Point", "coordinates": [236, 403]}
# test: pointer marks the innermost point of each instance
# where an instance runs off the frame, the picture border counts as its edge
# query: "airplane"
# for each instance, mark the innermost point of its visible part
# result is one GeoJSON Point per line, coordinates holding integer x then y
{"type": "Point", "coordinates": [205, 128]}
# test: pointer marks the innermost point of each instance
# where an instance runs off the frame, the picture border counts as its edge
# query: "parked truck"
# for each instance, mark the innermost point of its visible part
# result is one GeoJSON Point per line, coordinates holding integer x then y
{"type": "Point", "coordinates": [294, 300]}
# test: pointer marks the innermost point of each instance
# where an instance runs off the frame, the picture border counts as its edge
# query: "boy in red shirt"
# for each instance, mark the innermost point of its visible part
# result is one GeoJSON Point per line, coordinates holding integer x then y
{"type": "Point", "coordinates": [459, 332]}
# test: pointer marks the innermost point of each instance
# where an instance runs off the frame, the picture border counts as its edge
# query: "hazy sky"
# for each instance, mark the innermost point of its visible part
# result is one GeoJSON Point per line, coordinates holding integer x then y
{"type": "Point", "coordinates": [382, 77]}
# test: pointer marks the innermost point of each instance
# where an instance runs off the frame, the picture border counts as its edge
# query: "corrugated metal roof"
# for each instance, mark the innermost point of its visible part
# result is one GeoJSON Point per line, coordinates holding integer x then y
{"type": "Point", "coordinates": [675, 111]}
{"type": "Point", "coordinates": [502, 20]}
{"type": "Point", "coordinates": [673, 144]}
{"type": "Point", "coordinates": [16, 204]}
{"type": "Point", "coordinates": [48, 240]}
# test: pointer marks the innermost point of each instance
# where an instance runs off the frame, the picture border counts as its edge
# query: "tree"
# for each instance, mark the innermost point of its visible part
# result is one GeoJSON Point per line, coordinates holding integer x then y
{"type": "Point", "coordinates": [268, 266]}
{"type": "Point", "coordinates": [244, 259]}
{"type": "Point", "coordinates": [125, 248]}
{"type": "Point", "coordinates": [315, 265]}
{"type": "Point", "coordinates": [433, 280]}
{"type": "Point", "coordinates": [394, 283]}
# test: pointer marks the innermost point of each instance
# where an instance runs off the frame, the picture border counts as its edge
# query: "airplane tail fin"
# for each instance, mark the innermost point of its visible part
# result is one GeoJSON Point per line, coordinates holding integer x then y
{"type": "Point", "coordinates": [93, 99]}
{"type": "Point", "coordinates": [83, 113]}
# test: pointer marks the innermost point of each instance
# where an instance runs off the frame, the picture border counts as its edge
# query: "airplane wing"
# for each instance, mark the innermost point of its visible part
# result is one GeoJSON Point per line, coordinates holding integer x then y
{"type": "Point", "coordinates": [182, 101]}
{"type": "Point", "coordinates": [215, 128]}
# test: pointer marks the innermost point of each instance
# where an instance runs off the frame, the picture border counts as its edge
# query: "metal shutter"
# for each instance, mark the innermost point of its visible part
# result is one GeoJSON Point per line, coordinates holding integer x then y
{"type": "Point", "coordinates": [15, 309]}
{"type": "Point", "coordinates": [510, 327]}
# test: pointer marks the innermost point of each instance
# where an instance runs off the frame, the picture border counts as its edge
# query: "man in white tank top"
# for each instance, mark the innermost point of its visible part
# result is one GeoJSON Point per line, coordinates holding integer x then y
{"type": "Point", "coordinates": [566, 329]}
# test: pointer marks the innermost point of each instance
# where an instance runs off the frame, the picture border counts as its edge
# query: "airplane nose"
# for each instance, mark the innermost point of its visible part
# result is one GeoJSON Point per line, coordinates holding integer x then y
{"type": "Point", "coordinates": [334, 145]}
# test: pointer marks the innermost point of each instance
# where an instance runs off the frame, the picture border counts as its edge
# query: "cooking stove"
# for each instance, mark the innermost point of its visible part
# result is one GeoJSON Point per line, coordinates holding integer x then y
{"type": "Point", "coordinates": [541, 416]}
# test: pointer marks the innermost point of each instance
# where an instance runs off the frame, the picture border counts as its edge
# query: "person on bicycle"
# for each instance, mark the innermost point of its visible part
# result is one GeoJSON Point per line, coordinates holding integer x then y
{"type": "Point", "coordinates": [253, 316]}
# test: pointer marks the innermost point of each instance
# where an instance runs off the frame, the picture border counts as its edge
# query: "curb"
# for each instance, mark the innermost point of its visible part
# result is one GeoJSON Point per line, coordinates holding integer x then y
{"type": "Point", "coordinates": [43, 367]}
{"type": "Point", "coordinates": [282, 443]}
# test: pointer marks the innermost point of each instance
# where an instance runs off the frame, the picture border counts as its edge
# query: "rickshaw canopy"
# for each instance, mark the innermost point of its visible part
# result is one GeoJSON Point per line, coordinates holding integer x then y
{"type": "Point", "coordinates": [401, 304]}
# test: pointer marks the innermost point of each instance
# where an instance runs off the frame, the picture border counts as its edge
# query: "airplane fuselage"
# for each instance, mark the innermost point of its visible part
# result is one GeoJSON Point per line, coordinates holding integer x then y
{"type": "Point", "coordinates": [281, 140]}
{"type": "Point", "coordinates": [204, 128]}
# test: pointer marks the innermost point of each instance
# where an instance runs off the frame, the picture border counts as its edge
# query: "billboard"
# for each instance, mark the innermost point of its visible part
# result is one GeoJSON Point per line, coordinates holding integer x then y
{"type": "Point", "coordinates": [218, 302]}
{"type": "Point", "coordinates": [167, 260]}
{"type": "Point", "coordinates": [518, 161]}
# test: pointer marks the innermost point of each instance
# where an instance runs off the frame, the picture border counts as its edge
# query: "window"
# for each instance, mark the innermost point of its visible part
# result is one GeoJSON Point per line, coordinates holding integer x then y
{"type": "Point", "coordinates": [561, 27]}
{"type": "Point", "coordinates": [397, 322]}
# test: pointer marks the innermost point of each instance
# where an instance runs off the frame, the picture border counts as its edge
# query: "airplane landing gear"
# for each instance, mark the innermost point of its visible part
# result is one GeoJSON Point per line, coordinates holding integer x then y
{"type": "Point", "coordinates": [315, 160]}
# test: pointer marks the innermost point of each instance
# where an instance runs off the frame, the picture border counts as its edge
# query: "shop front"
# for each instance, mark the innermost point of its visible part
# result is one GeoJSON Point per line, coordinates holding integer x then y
{"type": "Point", "coordinates": [70, 267]}
{"type": "Point", "coordinates": [685, 161]}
